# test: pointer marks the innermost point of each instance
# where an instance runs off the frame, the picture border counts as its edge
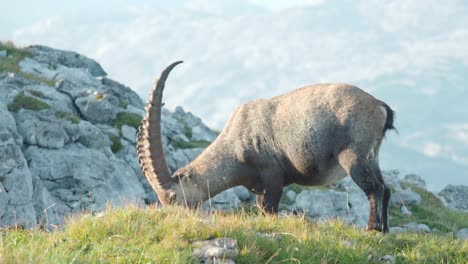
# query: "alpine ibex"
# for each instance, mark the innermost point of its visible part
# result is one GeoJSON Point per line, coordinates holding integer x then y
{"type": "Point", "coordinates": [310, 136]}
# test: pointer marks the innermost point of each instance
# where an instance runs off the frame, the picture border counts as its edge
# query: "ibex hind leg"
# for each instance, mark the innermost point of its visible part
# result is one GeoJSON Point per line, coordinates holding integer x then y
{"type": "Point", "coordinates": [361, 171]}
{"type": "Point", "coordinates": [386, 195]}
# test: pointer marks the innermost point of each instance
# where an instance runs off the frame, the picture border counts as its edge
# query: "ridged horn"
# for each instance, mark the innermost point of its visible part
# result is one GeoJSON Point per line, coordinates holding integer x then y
{"type": "Point", "coordinates": [149, 141]}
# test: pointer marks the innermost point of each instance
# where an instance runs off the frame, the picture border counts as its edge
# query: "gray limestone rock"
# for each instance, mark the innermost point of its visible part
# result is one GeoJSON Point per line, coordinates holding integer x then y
{"type": "Point", "coordinates": [16, 188]}
{"type": "Point", "coordinates": [53, 58]}
{"type": "Point", "coordinates": [226, 201]}
{"type": "Point", "coordinates": [417, 227]}
{"type": "Point", "coordinates": [58, 161]}
{"type": "Point", "coordinates": [41, 129]}
{"type": "Point", "coordinates": [463, 234]}
{"type": "Point", "coordinates": [242, 193]}
{"type": "Point", "coordinates": [387, 259]}
{"type": "Point", "coordinates": [197, 130]}
{"type": "Point", "coordinates": [219, 250]}
{"type": "Point", "coordinates": [83, 178]}
{"type": "Point", "coordinates": [92, 137]}
{"type": "Point", "coordinates": [405, 197]}
{"type": "Point", "coordinates": [291, 195]}
{"type": "Point", "coordinates": [405, 210]}
{"type": "Point", "coordinates": [396, 229]}
{"type": "Point", "coordinates": [391, 178]}
{"type": "Point", "coordinates": [129, 133]}
{"type": "Point", "coordinates": [415, 180]}
{"type": "Point", "coordinates": [329, 204]}
{"type": "Point", "coordinates": [455, 197]}
{"type": "Point", "coordinates": [125, 94]}
{"type": "Point", "coordinates": [98, 108]}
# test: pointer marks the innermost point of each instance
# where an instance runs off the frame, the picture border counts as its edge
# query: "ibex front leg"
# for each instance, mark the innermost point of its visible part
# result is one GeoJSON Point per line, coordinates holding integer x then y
{"type": "Point", "coordinates": [272, 191]}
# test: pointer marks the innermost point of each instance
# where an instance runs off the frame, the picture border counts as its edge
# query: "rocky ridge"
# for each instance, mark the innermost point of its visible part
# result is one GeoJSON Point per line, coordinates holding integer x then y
{"type": "Point", "coordinates": [67, 144]}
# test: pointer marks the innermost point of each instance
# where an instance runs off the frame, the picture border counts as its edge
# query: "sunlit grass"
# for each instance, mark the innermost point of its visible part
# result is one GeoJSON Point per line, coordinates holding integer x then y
{"type": "Point", "coordinates": [152, 235]}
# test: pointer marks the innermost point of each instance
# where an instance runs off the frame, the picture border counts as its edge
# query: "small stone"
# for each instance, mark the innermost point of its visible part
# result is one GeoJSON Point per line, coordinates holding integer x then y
{"type": "Point", "coordinates": [291, 195]}
{"type": "Point", "coordinates": [418, 227]}
{"type": "Point", "coordinates": [396, 230]}
{"type": "Point", "coordinates": [387, 259]}
{"type": "Point", "coordinates": [98, 109]}
{"type": "Point", "coordinates": [405, 197]}
{"type": "Point", "coordinates": [463, 234]}
{"type": "Point", "coordinates": [456, 197]}
{"type": "Point", "coordinates": [218, 249]}
{"type": "Point", "coordinates": [416, 180]}
{"type": "Point", "coordinates": [3, 53]}
{"type": "Point", "coordinates": [405, 210]}
{"type": "Point", "coordinates": [242, 193]}
{"type": "Point", "coordinates": [219, 261]}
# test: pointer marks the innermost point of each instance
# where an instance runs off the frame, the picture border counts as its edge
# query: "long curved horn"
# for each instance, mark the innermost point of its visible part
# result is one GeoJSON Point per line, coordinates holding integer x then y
{"type": "Point", "coordinates": [149, 142]}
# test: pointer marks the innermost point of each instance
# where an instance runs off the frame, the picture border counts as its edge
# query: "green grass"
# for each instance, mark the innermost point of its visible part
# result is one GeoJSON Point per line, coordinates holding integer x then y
{"type": "Point", "coordinates": [37, 94]}
{"type": "Point", "coordinates": [11, 63]}
{"type": "Point", "coordinates": [70, 117]}
{"type": "Point", "coordinates": [430, 212]}
{"type": "Point", "coordinates": [123, 104]}
{"type": "Point", "coordinates": [190, 144]}
{"type": "Point", "coordinates": [187, 129]}
{"type": "Point", "coordinates": [27, 102]}
{"type": "Point", "coordinates": [130, 119]}
{"type": "Point", "coordinates": [135, 235]}
{"type": "Point", "coordinates": [116, 144]}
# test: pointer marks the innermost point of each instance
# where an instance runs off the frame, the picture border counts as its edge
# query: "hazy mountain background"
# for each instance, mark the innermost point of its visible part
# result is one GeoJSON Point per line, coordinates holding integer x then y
{"type": "Point", "coordinates": [413, 54]}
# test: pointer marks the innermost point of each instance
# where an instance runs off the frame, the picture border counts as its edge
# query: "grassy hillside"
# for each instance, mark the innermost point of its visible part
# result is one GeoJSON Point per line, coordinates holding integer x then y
{"type": "Point", "coordinates": [152, 235]}
{"type": "Point", "coordinates": [431, 212]}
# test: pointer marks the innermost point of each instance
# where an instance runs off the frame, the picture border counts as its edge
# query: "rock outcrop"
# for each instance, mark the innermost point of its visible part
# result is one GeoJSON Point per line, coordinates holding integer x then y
{"type": "Point", "coordinates": [344, 200]}
{"type": "Point", "coordinates": [67, 139]}
{"type": "Point", "coordinates": [455, 197]}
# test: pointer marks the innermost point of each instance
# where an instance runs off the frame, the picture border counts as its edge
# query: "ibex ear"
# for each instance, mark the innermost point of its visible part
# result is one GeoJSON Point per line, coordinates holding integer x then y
{"type": "Point", "coordinates": [184, 175]}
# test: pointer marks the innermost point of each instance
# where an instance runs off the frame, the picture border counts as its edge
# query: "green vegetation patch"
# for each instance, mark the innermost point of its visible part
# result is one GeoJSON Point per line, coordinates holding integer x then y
{"type": "Point", "coordinates": [190, 144]}
{"type": "Point", "coordinates": [431, 212]}
{"type": "Point", "coordinates": [37, 93]}
{"type": "Point", "coordinates": [70, 117]}
{"type": "Point", "coordinates": [116, 144]}
{"type": "Point", "coordinates": [155, 235]}
{"type": "Point", "coordinates": [11, 63]}
{"type": "Point", "coordinates": [27, 102]}
{"type": "Point", "coordinates": [123, 104]}
{"type": "Point", "coordinates": [187, 129]}
{"type": "Point", "coordinates": [129, 119]}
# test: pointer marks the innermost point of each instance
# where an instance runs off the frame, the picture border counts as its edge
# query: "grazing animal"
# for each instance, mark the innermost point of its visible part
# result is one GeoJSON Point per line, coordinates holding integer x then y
{"type": "Point", "coordinates": [314, 135]}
